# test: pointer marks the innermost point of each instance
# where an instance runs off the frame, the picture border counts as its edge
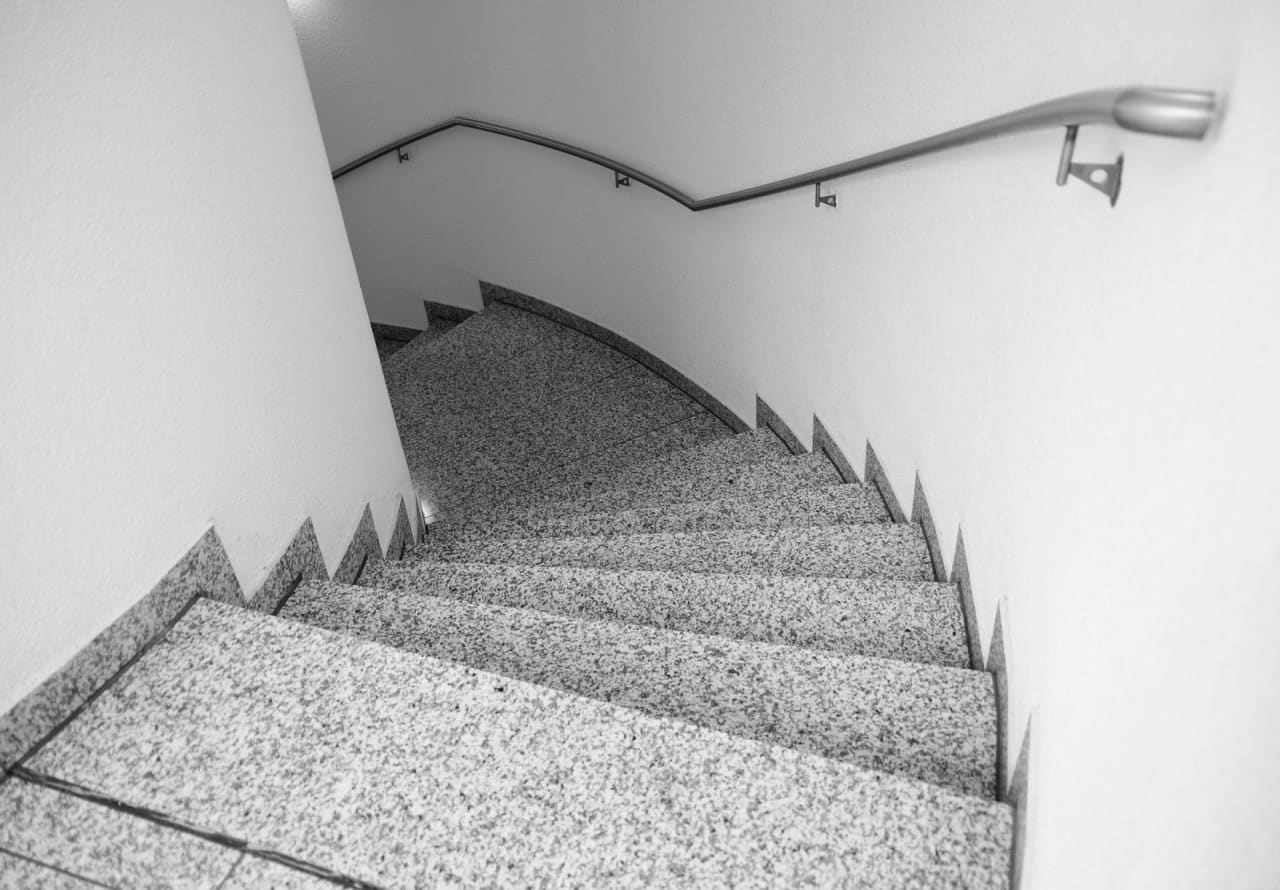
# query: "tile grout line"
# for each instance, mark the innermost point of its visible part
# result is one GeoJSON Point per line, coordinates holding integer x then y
{"type": "Point", "coordinates": [216, 837]}
{"type": "Point", "coordinates": [111, 681]}
{"type": "Point", "coordinates": [293, 588]}
{"type": "Point", "coordinates": [231, 871]}
{"type": "Point", "coordinates": [16, 855]}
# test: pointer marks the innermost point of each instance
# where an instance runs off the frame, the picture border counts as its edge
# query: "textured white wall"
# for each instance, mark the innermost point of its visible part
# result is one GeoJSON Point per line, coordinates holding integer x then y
{"type": "Point", "coordinates": [182, 336]}
{"type": "Point", "coordinates": [1088, 391]}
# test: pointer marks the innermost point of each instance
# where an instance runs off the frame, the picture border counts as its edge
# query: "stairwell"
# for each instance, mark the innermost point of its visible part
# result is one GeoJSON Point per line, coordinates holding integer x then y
{"type": "Point", "coordinates": [635, 648]}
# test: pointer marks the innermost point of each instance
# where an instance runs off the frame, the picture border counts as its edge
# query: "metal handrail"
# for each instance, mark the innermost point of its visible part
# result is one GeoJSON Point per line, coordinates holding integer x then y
{"type": "Point", "coordinates": [1185, 114]}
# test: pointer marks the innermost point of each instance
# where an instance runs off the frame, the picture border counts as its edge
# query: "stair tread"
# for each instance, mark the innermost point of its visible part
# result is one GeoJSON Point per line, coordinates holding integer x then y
{"type": "Point", "coordinates": [732, 453]}
{"type": "Point", "coordinates": [478, 342]}
{"type": "Point", "coordinates": [904, 620]}
{"type": "Point", "coordinates": [457, 455]}
{"type": "Point", "coordinates": [936, 724]}
{"type": "Point", "coordinates": [827, 505]}
{"type": "Point", "coordinates": [563, 361]}
{"type": "Point", "coordinates": [878, 550]}
{"type": "Point", "coordinates": [688, 434]}
{"type": "Point", "coordinates": [765, 476]}
{"type": "Point", "coordinates": [396, 768]}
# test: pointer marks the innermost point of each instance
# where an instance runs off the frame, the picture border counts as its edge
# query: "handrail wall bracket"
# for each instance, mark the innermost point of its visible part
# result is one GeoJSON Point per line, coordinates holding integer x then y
{"type": "Point", "coordinates": [621, 180]}
{"type": "Point", "coordinates": [1103, 177]}
{"type": "Point", "coordinates": [819, 198]}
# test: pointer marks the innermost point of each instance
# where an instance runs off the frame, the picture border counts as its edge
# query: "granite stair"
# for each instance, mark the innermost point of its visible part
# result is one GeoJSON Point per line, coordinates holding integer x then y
{"type": "Point", "coordinates": [928, 722]}
{"type": "Point", "coordinates": [906, 620]}
{"type": "Point", "coordinates": [879, 550]}
{"type": "Point", "coordinates": [310, 758]}
{"type": "Point", "coordinates": [636, 648]}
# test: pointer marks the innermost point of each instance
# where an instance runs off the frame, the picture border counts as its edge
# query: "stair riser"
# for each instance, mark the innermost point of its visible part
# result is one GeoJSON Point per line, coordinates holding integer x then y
{"type": "Point", "coordinates": [845, 505]}
{"type": "Point", "coordinates": [727, 455]}
{"type": "Point", "coordinates": [888, 551]}
{"type": "Point", "coordinates": [933, 724]}
{"type": "Point", "coordinates": [919, 622]}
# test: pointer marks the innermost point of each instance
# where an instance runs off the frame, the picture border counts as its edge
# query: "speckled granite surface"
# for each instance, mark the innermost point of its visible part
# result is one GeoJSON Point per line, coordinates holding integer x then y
{"type": "Point", "coordinates": [905, 620]}
{"type": "Point", "coordinates": [882, 550]}
{"type": "Point", "coordinates": [768, 418]}
{"type": "Point", "coordinates": [932, 723]}
{"type": "Point", "coordinates": [23, 874]}
{"type": "Point", "coordinates": [105, 845]}
{"type": "Point", "coordinates": [876, 475]}
{"type": "Point", "coordinates": [402, 534]}
{"type": "Point", "coordinates": [470, 348]}
{"type": "Point", "coordinates": [363, 549]}
{"type": "Point", "coordinates": [458, 457]}
{"type": "Point", "coordinates": [688, 433]}
{"type": "Point", "coordinates": [490, 293]}
{"type": "Point", "coordinates": [301, 559]}
{"type": "Point", "coordinates": [830, 505]}
{"type": "Point", "coordinates": [729, 454]}
{"type": "Point", "coordinates": [562, 362]}
{"type": "Point", "coordinates": [767, 476]}
{"type": "Point", "coordinates": [252, 873]}
{"type": "Point", "coordinates": [825, 443]}
{"type": "Point", "coordinates": [412, 771]}
{"type": "Point", "coordinates": [204, 569]}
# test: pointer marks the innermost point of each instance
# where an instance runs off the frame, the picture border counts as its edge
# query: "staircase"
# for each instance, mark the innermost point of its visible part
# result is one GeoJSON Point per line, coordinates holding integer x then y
{"type": "Point", "coordinates": [635, 649]}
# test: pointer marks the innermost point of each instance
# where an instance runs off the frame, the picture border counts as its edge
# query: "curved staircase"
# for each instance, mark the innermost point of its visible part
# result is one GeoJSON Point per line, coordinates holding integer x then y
{"type": "Point", "coordinates": [635, 649]}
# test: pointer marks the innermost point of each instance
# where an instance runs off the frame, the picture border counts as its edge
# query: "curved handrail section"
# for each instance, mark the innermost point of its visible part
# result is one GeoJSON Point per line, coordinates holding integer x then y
{"type": "Point", "coordinates": [1182, 114]}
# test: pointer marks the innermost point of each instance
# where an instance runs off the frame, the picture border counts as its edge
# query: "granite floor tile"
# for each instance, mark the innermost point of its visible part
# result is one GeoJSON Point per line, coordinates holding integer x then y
{"type": "Point", "coordinates": [882, 550]}
{"type": "Point", "coordinates": [767, 476]}
{"type": "Point", "coordinates": [105, 845]}
{"type": "Point", "coordinates": [204, 569]}
{"type": "Point", "coordinates": [830, 505]}
{"type": "Point", "coordinates": [909, 621]}
{"type": "Point", "coordinates": [23, 874]}
{"type": "Point", "coordinates": [412, 771]}
{"type": "Point", "coordinates": [932, 723]}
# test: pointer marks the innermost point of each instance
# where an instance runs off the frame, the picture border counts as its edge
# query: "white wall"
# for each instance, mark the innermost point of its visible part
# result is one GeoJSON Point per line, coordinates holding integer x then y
{"type": "Point", "coordinates": [182, 336]}
{"type": "Point", "coordinates": [1088, 391]}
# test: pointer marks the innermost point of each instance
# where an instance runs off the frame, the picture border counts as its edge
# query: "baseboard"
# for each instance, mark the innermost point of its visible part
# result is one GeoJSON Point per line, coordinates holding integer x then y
{"type": "Point", "coordinates": [393, 332]}
{"type": "Point", "coordinates": [875, 475]}
{"type": "Point", "coordinates": [766, 417]}
{"type": "Point", "coordinates": [921, 516]}
{"type": "Point", "coordinates": [960, 578]}
{"type": "Point", "coordinates": [824, 443]}
{"type": "Point", "coordinates": [203, 571]}
{"type": "Point", "coordinates": [1018, 798]}
{"type": "Point", "coordinates": [490, 293]}
{"type": "Point", "coordinates": [301, 561]}
{"type": "Point", "coordinates": [998, 668]}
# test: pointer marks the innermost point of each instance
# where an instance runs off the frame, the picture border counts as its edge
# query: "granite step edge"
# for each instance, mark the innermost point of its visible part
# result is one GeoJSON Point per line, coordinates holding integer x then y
{"type": "Point", "coordinates": [668, 782]}
{"type": "Point", "coordinates": [842, 504]}
{"type": "Point", "coordinates": [884, 550]}
{"type": "Point", "coordinates": [738, 450]}
{"type": "Point", "coordinates": [931, 723]}
{"type": "Point", "coordinates": [762, 477]}
{"type": "Point", "coordinates": [917, 621]}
